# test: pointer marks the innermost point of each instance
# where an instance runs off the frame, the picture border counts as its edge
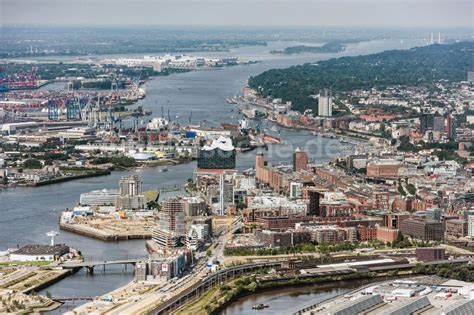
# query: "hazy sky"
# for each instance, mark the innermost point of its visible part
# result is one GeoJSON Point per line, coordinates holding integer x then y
{"type": "Point", "coordinates": [410, 13]}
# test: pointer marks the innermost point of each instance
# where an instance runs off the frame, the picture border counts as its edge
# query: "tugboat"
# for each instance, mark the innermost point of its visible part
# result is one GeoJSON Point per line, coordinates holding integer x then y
{"type": "Point", "coordinates": [259, 307]}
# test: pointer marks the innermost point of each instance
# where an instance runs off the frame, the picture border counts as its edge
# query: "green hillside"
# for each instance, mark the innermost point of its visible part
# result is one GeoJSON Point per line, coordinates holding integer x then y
{"type": "Point", "coordinates": [416, 66]}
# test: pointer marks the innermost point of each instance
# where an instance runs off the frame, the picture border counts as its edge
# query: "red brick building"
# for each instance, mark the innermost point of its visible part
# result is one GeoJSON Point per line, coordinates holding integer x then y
{"type": "Point", "coordinates": [378, 169]}
{"type": "Point", "coordinates": [386, 234]}
{"type": "Point", "coordinates": [270, 176]}
{"type": "Point", "coordinates": [395, 220]}
{"type": "Point", "coordinates": [456, 228]}
{"type": "Point", "coordinates": [430, 254]}
{"type": "Point", "coordinates": [366, 233]}
{"type": "Point", "coordinates": [300, 160]}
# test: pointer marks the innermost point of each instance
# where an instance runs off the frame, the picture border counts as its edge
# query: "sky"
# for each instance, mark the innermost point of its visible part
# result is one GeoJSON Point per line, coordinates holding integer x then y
{"type": "Point", "coordinates": [365, 13]}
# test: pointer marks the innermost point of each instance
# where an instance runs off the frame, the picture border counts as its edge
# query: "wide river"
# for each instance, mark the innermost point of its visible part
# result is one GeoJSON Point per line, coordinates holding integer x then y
{"type": "Point", "coordinates": [26, 214]}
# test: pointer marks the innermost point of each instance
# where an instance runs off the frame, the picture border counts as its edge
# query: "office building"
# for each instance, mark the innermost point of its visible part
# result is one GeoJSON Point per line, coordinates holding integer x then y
{"type": "Point", "coordinates": [171, 229]}
{"type": "Point", "coordinates": [470, 225]}
{"type": "Point", "coordinates": [456, 228]}
{"type": "Point", "coordinates": [130, 186]}
{"type": "Point", "coordinates": [425, 230]}
{"type": "Point", "coordinates": [98, 198]}
{"type": "Point", "coordinates": [451, 126]}
{"type": "Point", "coordinates": [438, 124]}
{"type": "Point", "coordinates": [426, 122]}
{"type": "Point", "coordinates": [325, 103]}
{"type": "Point", "coordinates": [130, 194]}
{"type": "Point", "coordinates": [314, 205]}
{"type": "Point", "coordinates": [295, 190]}
{"type": "Point", "coordinates": [434, 214]}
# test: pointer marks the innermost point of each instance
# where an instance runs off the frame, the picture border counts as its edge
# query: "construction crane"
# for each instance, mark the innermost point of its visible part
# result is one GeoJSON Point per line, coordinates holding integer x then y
{"type": "Point", "coordinates": [20, 80]}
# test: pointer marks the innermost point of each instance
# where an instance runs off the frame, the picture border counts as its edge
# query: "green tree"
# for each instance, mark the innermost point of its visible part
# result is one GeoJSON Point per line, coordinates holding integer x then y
{"type": "Point", "coordinates": [32, 164]}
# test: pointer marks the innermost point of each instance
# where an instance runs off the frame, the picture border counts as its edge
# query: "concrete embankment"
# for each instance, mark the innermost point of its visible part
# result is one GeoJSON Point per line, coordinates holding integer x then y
{"type": "Point", "coordinates": [102, 235]}
{"type": "Point", "coordinates": [52, 280]}
{"type": "Point", "coordinates": [67, 178]}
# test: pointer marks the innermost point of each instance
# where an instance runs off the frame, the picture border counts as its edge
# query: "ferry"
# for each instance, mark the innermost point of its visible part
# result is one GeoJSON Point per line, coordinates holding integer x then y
{"type": "Point", "coordinates": [260, 306]}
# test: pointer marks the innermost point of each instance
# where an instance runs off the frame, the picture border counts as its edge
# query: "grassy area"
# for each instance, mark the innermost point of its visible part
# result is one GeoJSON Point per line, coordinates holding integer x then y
{"type": "Point", "coordinates": [32, 263]}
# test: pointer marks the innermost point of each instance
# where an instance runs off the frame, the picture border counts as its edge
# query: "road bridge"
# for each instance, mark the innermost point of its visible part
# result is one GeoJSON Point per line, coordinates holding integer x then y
{"type": "Point", "coordinates": [91, 264]}
{"type": "Point", "coordinates": [72, 298]}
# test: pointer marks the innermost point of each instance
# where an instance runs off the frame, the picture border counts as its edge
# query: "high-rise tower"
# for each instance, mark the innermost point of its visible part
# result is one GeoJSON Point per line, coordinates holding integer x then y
{"type": "Point", "coordinates": [325, 103]}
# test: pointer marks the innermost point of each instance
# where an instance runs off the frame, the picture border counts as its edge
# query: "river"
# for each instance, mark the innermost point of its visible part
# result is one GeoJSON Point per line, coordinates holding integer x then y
{"type": "Point", "coordinates": [26, 214]}
{"type": "Point", "coordinates": [282, 301]}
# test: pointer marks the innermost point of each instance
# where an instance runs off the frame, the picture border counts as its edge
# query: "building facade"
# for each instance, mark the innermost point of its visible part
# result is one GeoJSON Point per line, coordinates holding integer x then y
{"type": "Point", "coordinates": [325, 103]}
{"type": "Point", "coordinates": [425, 230]}
{"type": "Point", "coordinates": [300, 160]}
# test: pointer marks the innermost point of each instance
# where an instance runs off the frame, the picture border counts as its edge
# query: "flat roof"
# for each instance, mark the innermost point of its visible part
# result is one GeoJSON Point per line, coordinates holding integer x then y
{"type": "Point", "coordinates": [34, 250]}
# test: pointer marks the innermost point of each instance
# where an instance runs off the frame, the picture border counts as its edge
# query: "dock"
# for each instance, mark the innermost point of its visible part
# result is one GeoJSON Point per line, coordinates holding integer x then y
{"type": "Point", "coordinates": [105, 234]}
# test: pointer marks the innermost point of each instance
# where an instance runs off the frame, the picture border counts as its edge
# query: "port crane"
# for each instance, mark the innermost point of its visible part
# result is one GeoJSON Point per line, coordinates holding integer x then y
{"type": "Point", "coordinates": [20, 80]}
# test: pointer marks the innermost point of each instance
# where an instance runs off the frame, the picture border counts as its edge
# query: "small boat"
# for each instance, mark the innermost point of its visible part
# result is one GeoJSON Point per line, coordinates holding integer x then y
{"type": "Point", "coordinates": [231, 100]}
{"type": "Point", "coordinates": [260, 306]}
{"type": "Point", "coordinates": [162, 170]}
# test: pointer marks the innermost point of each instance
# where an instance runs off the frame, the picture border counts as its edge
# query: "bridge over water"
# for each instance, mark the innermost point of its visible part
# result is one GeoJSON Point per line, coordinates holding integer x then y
{"type": "Point", "coordinates": [91, 264]}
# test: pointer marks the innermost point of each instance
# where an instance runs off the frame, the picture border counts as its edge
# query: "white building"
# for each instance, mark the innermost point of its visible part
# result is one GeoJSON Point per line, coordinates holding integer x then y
{"type": "Point", "coordinates": [325, 103]}
{"type": "Point", "coordinates": [99, 198]}
{"type": "Point", "coordinates": [202, 231]}
{"type": "Point", "coordinates": [39, 253]}
{"type": "Point", "coordinates": [295, 190]}
{"type": "Point", "coordinates": [470, 225]}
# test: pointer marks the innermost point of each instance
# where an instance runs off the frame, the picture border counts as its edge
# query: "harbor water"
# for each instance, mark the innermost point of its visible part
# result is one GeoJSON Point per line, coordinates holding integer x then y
{"type": "Point", "coordinates": [26, 214]}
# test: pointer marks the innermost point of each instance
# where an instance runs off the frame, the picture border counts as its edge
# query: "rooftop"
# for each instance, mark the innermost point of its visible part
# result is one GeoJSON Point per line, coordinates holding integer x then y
{"type": "Point", "coordinates": [33, 250]}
